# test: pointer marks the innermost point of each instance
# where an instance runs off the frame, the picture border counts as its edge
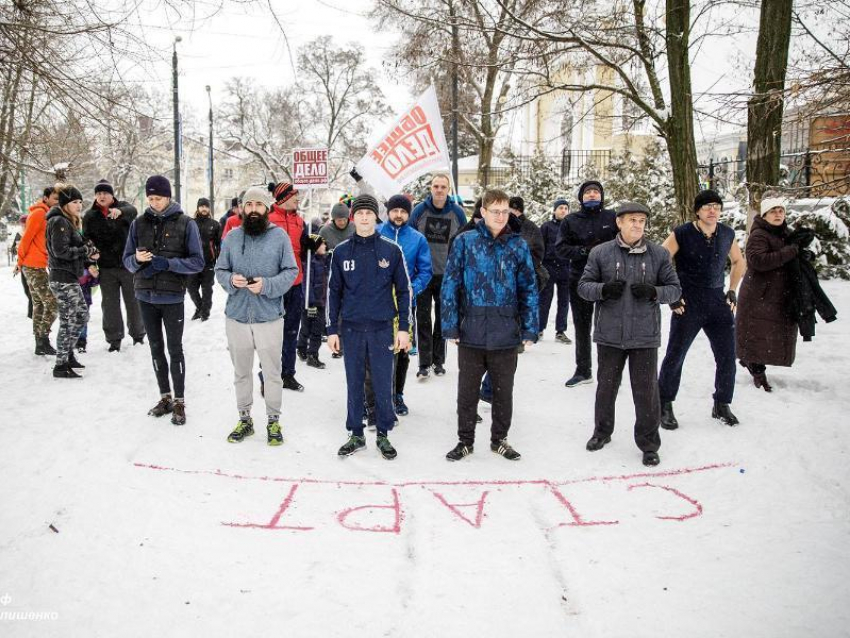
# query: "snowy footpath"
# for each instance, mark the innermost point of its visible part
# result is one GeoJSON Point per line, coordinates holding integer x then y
{"type": "Point", "coordinates": [113, 523]}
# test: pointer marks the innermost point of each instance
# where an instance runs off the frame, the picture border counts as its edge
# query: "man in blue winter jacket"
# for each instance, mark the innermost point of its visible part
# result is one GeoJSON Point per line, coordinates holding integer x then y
{"type": "Point", "coordinates": [368, 288]}
{"type": "Point", "coordinates": [490, 306]}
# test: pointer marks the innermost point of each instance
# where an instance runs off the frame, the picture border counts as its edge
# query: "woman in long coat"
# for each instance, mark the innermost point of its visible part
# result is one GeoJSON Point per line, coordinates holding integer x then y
{"type": "Point", "coordinates": [766, 324]}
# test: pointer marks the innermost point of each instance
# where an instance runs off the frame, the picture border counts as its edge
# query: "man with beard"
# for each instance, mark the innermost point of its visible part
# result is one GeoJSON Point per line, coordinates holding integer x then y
{"type": "Point", "coordinates": [200, 285]}
{"type": "Point", "coordinates": [163, 249]}
{"type": "Point", "coordinates": [256, 267]}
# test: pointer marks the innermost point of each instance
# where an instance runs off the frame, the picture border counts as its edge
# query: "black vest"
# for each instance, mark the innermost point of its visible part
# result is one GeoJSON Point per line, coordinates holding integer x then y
{"type": "Point", "coordinates": [165, 237]}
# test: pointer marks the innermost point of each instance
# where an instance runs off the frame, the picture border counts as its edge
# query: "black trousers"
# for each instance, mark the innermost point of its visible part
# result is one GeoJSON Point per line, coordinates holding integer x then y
{"type": "Point", "coordinates": [472, 364]}
{"type": "Point", "coordinates": [310, 334]}
{"type": "Point", "coordinates": [562, 305]}
{"type": "Point", "coordinates": [583, 323]}
{"type": "Point", "coordinates": [200, 287]}
{"type": "Point", "coordinates": [117, 284]}
{"type": "Point", "coordinates": [643, 373]}
{"type": "Point", "coordinates": [429, 335]}
{"type": "Point", "coordinates": [168, 316]}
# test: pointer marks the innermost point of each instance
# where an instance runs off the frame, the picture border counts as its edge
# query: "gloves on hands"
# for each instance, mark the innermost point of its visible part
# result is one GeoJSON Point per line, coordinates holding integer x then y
{"type": "Point", "coordinates": [159, 264]}
{"type": "Point", "coordinates": [355, 175]}
{"type": "Point", "coordinates": [801, 237]}
{"type": "Point", "coordinates": [613, 289]}
{"type": "Point", "coordinates": [644, 291]}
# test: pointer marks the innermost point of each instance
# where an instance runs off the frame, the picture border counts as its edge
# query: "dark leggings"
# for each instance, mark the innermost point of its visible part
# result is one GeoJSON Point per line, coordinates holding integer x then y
{"type": "Point", "coordinates": [169, 316]}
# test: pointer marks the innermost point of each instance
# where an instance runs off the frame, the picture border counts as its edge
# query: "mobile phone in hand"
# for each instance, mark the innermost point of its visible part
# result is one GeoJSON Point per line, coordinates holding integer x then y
{"type": "Point", "coordinates": [251, 281]}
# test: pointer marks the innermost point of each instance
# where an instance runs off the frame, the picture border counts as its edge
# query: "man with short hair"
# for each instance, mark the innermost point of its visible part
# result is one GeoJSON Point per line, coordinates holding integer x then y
{"type": "Point", "coordinates": [700, 250]}
{"type": "Point", "coordinates": [32, 260]}
{"type": "Point", "coordinates": [439, 219]}
{"type": "Point", "coordinates": [201, 284]}
{"type": "Point", "coordinates": [256, 267]}
{"type": "Point", "coordinates": [234, 210]}
{"type": "Point", "coordinates": [589, 226]}
{"type": "Point", "coordinates": [627, 278]}
{"type": "Point", "coordinates": [163, 248]}
{"type": "Point", "coordinates": [106, 224]}
{"type": "Point", "coordinates": [369, 290]}
{"type": "Point", "coordinates": [490, 299]}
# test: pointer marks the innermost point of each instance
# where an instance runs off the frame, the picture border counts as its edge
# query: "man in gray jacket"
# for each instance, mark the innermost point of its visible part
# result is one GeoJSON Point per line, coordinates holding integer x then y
{"type": "Point", "coordinates": [628, 277]}
{"type": "Point", "coordinates": [256, 267]}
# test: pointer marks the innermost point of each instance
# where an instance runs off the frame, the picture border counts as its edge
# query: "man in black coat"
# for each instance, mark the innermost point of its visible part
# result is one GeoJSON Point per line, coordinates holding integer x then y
{"type": "Point", "coordinates": [106, 225]}
{"type": "Point", "coordinates": [559, 274]}
{"type": "Point", "coordinates": [589, 226]}
{"type": "Point", "coordinates": [200, 285]}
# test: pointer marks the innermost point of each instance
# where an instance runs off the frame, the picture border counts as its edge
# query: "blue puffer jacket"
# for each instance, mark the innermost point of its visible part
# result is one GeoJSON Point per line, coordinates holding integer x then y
{"type": "Point", "coordinates": [269, 256]}
{"type": "Point", "coordinates": [489, 292]}
{"type": "Point", "coordinates": [417, 255]}
{"type": "Point", "coordinates": [317, 295]}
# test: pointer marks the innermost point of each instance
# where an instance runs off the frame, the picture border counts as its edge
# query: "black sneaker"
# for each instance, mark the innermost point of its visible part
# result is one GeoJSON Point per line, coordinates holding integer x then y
{"type": "Point", "coordinates": [244, 428]}
{"type": "Point", "coordinates": [48, 349]}
{"type": "Point", "coordinates": [503, 448]}
{"type": "Point", "coordinates": [165, 406]}
{"type": "Point", "coordinates": [73, 363]}
{"type": "Point", "coordinates": [578, 379]}
{"type": "Point", "coordinates": [354, 444]}
{"type": "Point", "coordinates": [178, 413]}
{"type": "Point", "coordinates": [197, 314]}
{"type": "Point", "coordinates": [459, 451]}
{"type": "Point", "coordinates": [651, 459]}
{"type": "Point", "coordinates": [423, 373]}
{"type": "Point", "coordinates": [597, 443]}
{"type": "Point", "coordinates": [205, 316]}
{"type": "Point", "coordinates": [562, 337]}
{"type": "Point", "coordinates": [81, 345]}
{"type": "Point", "coordinates": [302, 355]}
{"type": "Point", "coordinates": [289, 383]}
{"type": "Point", "coordinates": [386, 448]}
{"type": "Point", "coordinates": [64, 371]}
{"type": "Point", "coordinates": [313, 362]}
{"type": "Point", "coordinates": [115, 346]}
{"type": "Point", "coordinates": [439, 370]}
{"type": "Point", "coordinates": [400, 406]}
{"type": "Point", "coordinates": [138, 341]}
{"type": "Point", "coordinates": [336, 355]}
{"type": "Point", "coordinates": [668, 419]}
{"type": "Point", "coordinates": [721, 411]}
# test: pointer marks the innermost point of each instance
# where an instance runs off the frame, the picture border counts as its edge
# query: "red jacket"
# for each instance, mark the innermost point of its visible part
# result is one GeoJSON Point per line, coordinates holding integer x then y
{"type": "Point", "coordinates": [291, 222]}
{"type": "Point", "coordinates": [234, 221]}
{"type": "Point", "coordinates": [32, 249]}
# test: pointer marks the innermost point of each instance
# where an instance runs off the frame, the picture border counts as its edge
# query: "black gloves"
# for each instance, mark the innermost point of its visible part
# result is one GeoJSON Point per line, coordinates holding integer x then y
{"type": "Point", "coordinates": [310, 244]}
{"type": "Point", "coordinates": [644, 291]}
{"type": "Point", "coordinates": [732, 297]}
{"type": "Point", "coordinates": [801, 237]}
{"type": "Point", "coordinates": [613, 289]}
{"type": "Point", "coordinates": [355, 175]}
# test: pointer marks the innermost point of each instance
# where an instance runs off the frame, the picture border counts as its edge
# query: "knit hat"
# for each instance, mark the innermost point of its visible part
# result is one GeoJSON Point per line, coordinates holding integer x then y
{"type": "Point", "coordinates": [771, 202]}
{"type": "Point", "coordinates": [281, 191]}
{"type": "Point", "coordinates": [203, 201]}
{"type": "Point", "coordinates": [339, 211]}
{"type": "Point", "coordinates": [346, 199]}
{"type": "Point", "coordinates": [104, 187]}
{"type": "Point", "coordinates": [234, 202]}
{"type": "Point", "coordinates": [257, 194]}
{"type": "Point", "coordinates": [68, 194]}
{"type": "Point", "coordinates": [632, 207]}
{"type": "Point", "coordinates": [399, 201]}
{"type": "Point", "coordinates": [707, 197]}
{"type": "Point", "coordinates": [590, 184]}
{"type": "Point", "coordinates": [158, 185]}
{"type": "Point", "coordinates": [517, 203]}
{"type": "Point", "coordinates": [560, 202]}
{"type": "Point", "coordinates": [365, 201]}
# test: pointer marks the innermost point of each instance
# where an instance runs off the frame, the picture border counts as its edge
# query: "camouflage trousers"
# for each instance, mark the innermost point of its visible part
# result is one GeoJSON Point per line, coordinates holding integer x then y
{"type": "Point", "coordinates": [43, 301]}
{"type": "Point", "coordinates": [73, 315]}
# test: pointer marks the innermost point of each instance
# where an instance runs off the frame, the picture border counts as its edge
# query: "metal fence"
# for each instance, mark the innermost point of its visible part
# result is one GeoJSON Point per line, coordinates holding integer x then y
{"type": "Point", "coordinates": [574, 166]}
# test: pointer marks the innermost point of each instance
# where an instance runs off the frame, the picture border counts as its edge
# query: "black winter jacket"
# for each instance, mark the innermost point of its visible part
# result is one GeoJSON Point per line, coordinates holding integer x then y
{"type": "Point", "coordinates": [109, 235]}
{"type": "Point", "coordinates": [210, 231]}
{"type": "Point", "coordinates": [66, 250]}
{"type": "Point", "coordinates": [580, 232]}
{"type": "Point", "coordinates": [808, 297]}
{"type": "Point", "coordinates": [558, 267]}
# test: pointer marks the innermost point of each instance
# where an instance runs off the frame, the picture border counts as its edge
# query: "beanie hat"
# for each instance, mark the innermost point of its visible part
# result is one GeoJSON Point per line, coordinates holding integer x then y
{"type": "Point", "coordinates": [158, 185]}
{"type": "Point", "coordinates": [346, 199]}
{"type": "Point", "coordinates": [632, 207]}
{"type": "Point", "coordinates": [104, 187]}
{"type": "Point", "coordinates": [517, 203]}
{"type": "Point", "coordinates": [771, 202]}
{"type": "Point", "coordinates": [339, 211]}
{"type": "Point", "coordinates": [590, 184]}
{"type": "Point", "coordinates": [203, 201]}
{"type": "Point", "coordinates": [707, 197]}
{"type": "Point", "coordinates": [281, 191]}
{"type": "Point", "coordinates": [68, 194]}
{"type": "Point", "coordinates": [234, 202]}
{"type": "Point", "coordinates": [257, 194]}
{"type": "Point", "coordinates": [560, 202]}
{"type": "Point", "coordinates": [365, 201]}
{"type": "Point", "coordinates": [399, 201]}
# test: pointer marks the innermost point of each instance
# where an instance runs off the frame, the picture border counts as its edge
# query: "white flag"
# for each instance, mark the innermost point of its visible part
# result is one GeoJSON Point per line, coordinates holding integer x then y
{"type": "Point", "coordinates": [414, 145]}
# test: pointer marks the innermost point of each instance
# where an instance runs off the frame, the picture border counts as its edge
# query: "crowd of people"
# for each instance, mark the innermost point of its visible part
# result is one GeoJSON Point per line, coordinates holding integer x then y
{"type": "Point", "coordinates": [373, 274]}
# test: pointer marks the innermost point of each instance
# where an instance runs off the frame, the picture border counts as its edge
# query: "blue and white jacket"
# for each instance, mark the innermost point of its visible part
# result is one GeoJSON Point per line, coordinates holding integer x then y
{"type": "Point", "coordinates": [416, 254]}
{"type": "Point", "coordinates": [368, 277]}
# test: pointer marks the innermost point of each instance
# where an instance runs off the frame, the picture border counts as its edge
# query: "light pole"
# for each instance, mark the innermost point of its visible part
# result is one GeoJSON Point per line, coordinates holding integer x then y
{"type": "Point", "coordinates": [212, 163]}
{"type": "Point", "coordinates": [176, 100]}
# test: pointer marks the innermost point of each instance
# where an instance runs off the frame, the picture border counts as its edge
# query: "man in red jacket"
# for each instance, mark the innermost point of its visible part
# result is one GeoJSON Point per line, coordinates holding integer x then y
{"type": "Point", "coordinates": [285, 215]}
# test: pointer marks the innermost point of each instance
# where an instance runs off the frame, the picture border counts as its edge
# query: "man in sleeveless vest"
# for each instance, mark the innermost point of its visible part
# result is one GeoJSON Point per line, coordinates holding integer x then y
{"type": "Point", "coordinates": [163, 248]}
{"type": "Point", "coordinates": [700, 250]}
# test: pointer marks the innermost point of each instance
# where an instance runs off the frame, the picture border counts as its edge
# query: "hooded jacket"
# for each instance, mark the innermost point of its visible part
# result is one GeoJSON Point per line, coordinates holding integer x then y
{"type": "Point", "coordinates": [333, 236]}
{"type": "Point", "coordinates": [582, 230]}
{"type": "Point", "coordinates": [439, 227]}
{"type": "Point", "coordinates": [292, 223]}
{"type": "Point", "coordinates": [109, 235]}
{"type": "Point", "coordinates": [269, 256]}
{"type": "Point", "coordinates": [417, 255]}
{"type": "Point", "coordinates": [32, 249]}
{"type": "Point", "coordinates": [65, 248]}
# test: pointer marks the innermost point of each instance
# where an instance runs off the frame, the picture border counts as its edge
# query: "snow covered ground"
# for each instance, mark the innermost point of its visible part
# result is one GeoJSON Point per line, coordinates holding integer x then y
{"type": "Point", "coordinates": [171, 531]}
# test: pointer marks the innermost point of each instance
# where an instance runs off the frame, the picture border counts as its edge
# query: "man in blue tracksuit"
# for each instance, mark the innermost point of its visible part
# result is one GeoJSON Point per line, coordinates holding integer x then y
{"type": "Point", "coordinates": [368, 288]}
{"type": "Point", "coordinates": [490, 306]}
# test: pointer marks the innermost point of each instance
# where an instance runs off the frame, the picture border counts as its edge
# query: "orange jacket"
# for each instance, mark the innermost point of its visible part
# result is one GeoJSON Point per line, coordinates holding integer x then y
{"type": "Point", "coordinates": [32, 249]}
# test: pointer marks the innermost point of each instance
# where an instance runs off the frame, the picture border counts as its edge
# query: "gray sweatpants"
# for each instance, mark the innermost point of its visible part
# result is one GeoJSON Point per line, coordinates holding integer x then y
{"type": "Point", "coordinates": [243, 339]}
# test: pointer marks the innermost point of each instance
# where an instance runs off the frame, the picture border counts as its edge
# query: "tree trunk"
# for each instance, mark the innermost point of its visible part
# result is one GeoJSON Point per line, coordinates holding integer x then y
{"type": "Point", "coordinates": [679, 130]}
{"type": "Point", "coordinates": [765, 108]}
